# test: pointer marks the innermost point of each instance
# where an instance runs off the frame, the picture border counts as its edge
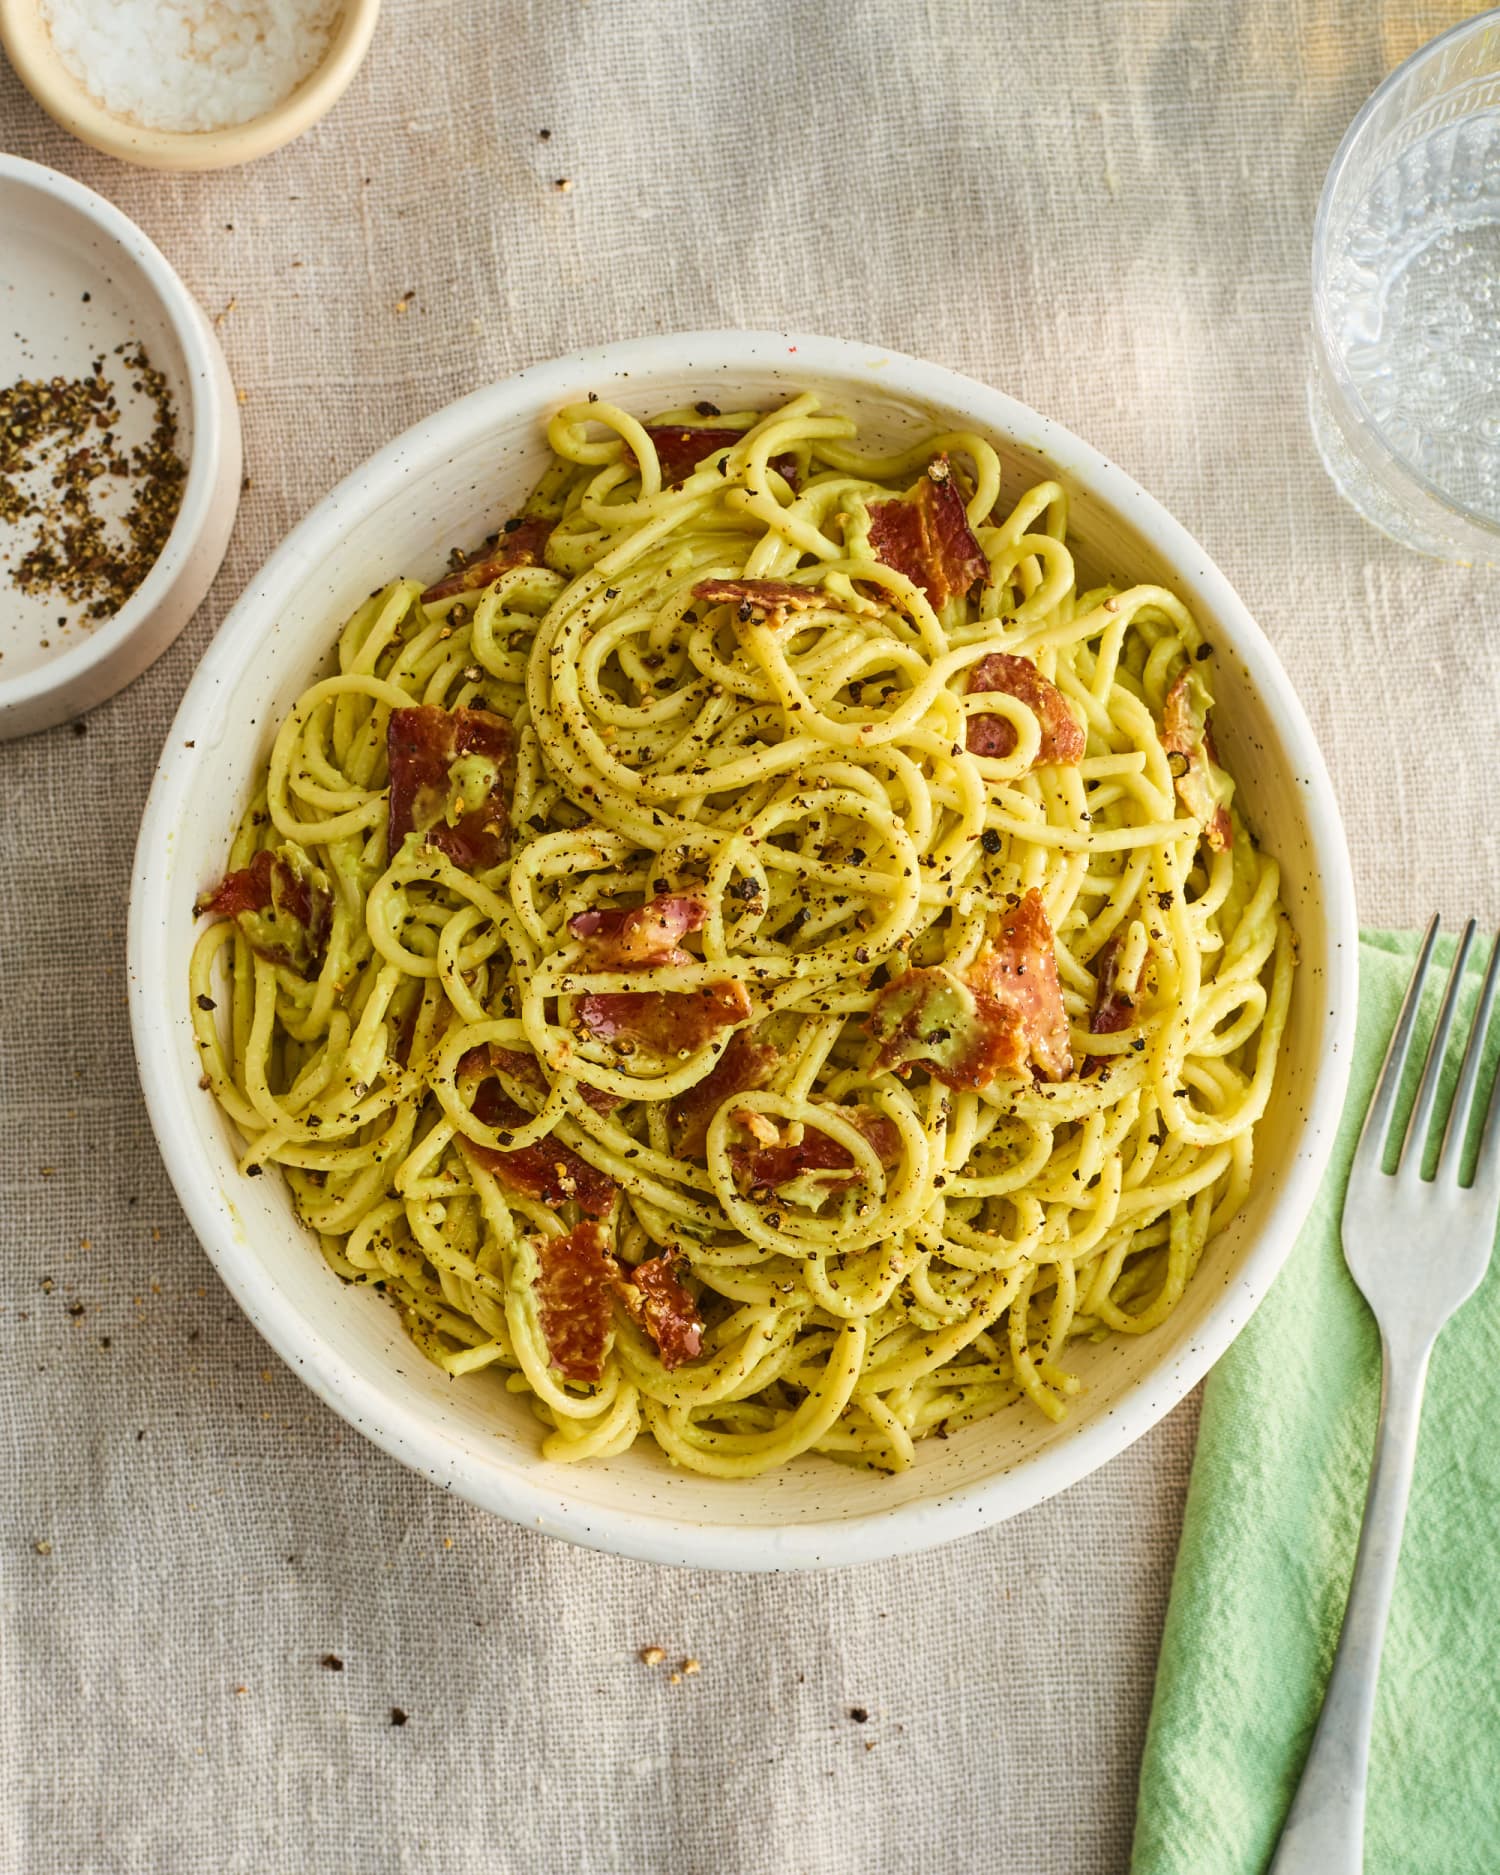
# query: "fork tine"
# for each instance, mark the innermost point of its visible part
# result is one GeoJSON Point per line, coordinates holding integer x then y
{"type": "Point", "coordinates": [1468, 1079]}
{"type": "Point", "coordinates": [1370, 1152]}
{"type": "Point", "coordinates": [1414, 1147]}
{"type": "Point", "coordinates": [1487, 1162]}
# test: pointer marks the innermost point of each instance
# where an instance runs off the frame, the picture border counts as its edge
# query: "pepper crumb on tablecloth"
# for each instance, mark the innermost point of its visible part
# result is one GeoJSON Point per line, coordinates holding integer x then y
{"type": "Point", "coordinates": [332, 1663]}
{"type": "Point", "coordinates": [398, 1717]}
{"type": "Point", "coordinates": [859, 1714]}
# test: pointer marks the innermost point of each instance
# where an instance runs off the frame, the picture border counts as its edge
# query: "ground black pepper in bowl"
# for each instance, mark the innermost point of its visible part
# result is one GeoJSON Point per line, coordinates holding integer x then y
{"type": "Point", "coordinates": [61, 462]}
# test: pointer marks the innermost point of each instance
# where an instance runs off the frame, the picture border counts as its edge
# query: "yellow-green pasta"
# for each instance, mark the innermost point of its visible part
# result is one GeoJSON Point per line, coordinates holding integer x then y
{"type": "Point", "coordinates": [755, 956]}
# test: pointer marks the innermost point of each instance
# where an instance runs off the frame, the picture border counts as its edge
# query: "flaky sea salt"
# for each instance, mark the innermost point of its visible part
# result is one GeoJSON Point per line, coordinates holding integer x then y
{"type": "Point", "coordinates": [191, 64]}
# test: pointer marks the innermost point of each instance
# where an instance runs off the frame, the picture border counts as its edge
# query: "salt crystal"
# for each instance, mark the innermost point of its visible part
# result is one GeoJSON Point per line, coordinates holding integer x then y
{"type": "Point", "coordinates": [191, 64]}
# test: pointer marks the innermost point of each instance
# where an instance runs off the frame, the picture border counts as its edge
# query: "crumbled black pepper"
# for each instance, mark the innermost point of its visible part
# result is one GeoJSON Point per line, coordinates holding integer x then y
{"type": "Point", "coordinates": [68, 427]}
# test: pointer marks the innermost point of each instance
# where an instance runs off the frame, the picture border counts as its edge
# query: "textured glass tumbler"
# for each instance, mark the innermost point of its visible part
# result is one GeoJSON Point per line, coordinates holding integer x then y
{"type": "Point", "coordinates": [1404, 384]}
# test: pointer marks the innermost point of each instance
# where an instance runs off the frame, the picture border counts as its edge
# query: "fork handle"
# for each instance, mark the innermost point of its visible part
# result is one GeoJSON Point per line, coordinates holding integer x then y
{"type": "Point", "coordinates": [1325, 1827]}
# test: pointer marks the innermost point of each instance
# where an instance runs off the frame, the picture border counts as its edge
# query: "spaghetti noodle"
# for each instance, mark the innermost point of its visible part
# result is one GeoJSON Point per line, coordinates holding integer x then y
{"type": "Point", "coordinates": [756, 955]}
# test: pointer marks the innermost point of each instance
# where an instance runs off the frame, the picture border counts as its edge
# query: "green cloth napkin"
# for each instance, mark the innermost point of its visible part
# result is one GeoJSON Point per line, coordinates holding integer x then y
{"type": "Point", "coordinates": [1272, 1518]}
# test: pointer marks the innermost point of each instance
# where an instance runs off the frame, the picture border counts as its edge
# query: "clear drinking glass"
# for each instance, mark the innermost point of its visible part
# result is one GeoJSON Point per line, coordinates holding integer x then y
{"type": "Point", "coordinates": [1404, 387]}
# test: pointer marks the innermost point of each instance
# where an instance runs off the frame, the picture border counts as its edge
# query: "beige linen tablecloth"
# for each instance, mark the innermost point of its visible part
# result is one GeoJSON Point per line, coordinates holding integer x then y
{"type": "Point", "coordinates": [1104, 209]}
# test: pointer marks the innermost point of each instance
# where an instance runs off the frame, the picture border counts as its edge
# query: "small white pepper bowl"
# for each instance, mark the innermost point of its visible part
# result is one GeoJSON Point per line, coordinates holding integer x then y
{"type": "Point", "coordinates": [78, 279]}
{"type": "Point", "coordinates": [26, 38]}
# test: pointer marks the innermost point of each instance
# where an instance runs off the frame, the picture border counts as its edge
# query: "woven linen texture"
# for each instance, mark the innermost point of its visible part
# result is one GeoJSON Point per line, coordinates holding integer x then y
{"type": "Point", "coordinates": [1102, 208]}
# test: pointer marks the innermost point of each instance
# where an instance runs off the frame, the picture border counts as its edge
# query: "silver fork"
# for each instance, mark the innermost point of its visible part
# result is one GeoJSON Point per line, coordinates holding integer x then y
{"type": "Point", "coordinates": [1418, 1249]}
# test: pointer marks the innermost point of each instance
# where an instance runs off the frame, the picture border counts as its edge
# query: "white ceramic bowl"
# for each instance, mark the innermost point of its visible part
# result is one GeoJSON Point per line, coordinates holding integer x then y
{"type": "Point", "coordinates": [448, 480]}
{"type": "Point", "coordinates": [76, 279]}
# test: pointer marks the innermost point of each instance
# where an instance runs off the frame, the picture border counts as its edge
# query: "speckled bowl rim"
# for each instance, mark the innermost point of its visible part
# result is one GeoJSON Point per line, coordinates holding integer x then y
{"type": "Point", "coordinates": [117, 650]}
{"type": "Point", "coordinates": [380, 1411]}
{"type": "Point", "coordinates": [27, 41]}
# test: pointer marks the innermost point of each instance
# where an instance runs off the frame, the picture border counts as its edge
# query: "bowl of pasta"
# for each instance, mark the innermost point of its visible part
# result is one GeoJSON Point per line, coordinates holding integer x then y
{"type": "Point", "coordinates": [742, 953]}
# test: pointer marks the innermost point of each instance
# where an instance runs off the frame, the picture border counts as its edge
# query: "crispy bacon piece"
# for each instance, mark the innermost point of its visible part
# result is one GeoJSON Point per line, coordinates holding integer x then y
{"type": "Point", "coordinates": [424, 744]}
{"type": "Point", "coordinates": [669, 1022]}
{"type": "Point", "coordinates": [786, 467]}
{"type": "Point", "coordinates": [1188, 738]}
{"type": "Point", "coordinates": [1113, 1006]}
{"type": "Point", "coordinates": [528, 1071]}
{"type": "Point", "coordinates": [744, 1066]}
{"type": "Point", "coordinates": [523, 1068]}
{"type": "Point", "coordinates": [249, 889]}
{"type": "Point", "coordinates": [899, 539]}
{"type": "Point", "coordinates": [281, 902]}
{"type": "Point", "coordinates": [1003, 1016]}
{"type": "Point", "coordinates": [681, 447]}
{"type": "Point", "coordinates": [931, 1019]}
{"type": "Point", "coordinates": [1016, 970]}
{"type": "Point", "coordinates": [658, 1299]}
{"type": "Point", "coordinates": [1062, 737]}
{"type": "Point", "coordinates": [520, 543]}
{"type": "Point", "coordinates": [882, 1133]}
{"type": "Point", "coordinates": [772, 599]}
{"type": "Point", "coordinates": [575, 1291]}
{"type": "Point", "coordinates": [828, 1166]}
{"type": "Point", "coordinates": [927, 536]}
{"type": "Point", "coordinates": [641, 935]}
{"type": "Point", "coordinates": [406, 1032]}
{"type": "Point", "coordinates": [956, 559]}
{"type": "Point", "coordinates": [548, 1171]}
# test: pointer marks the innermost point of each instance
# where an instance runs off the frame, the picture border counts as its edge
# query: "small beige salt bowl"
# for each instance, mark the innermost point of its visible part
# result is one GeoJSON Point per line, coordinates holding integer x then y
{"type": "Point", "coordinates": [27, 40]}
